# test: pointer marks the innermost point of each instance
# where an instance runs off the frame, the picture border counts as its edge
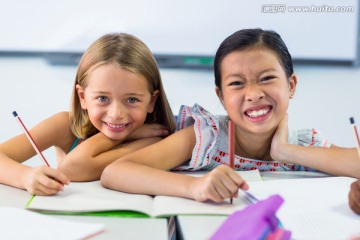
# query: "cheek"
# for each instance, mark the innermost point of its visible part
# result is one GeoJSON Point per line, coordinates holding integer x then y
{"type": "Point", "coordinates": [282, 100]}
{"type": "Point", "coordinates": [139, 115]}
{"type": "Point", "coordinates": [232, 101]}
{"type": "Point", "coordinates": [94, 113]}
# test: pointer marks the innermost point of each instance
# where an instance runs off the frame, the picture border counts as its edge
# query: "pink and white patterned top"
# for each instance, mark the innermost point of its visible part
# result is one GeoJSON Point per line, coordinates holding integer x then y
{"type": "Point", "coordinates": [211, 148]}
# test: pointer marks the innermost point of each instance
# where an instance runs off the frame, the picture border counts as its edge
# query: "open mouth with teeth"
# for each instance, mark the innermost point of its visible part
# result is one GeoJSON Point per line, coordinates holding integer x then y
{"type": "Point", "coordinates": [115, 126]}
{"type": "Point", "coordinates": [259, 114]}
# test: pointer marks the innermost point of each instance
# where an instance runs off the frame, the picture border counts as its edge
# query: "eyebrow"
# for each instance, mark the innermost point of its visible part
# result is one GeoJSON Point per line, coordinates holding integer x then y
{"type": "Point", "coordinates": [135, 94]}
{"type": "Point", "coordinates": [132, 94]}
{"type": "Point", "coordinates": [266, 70]}
{"type": "Point", "coordinates": [258, 74]}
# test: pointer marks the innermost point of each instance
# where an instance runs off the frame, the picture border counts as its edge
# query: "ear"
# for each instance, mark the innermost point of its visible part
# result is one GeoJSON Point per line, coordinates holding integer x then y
{"type": "Point", "coordinates": [81, 94]}
{"type": "Point", "coordinates": [292, 85]}
{"type": "Point", "coordinates": [220, 96]}
{"type": "Point", "coordinates": [153, 99]}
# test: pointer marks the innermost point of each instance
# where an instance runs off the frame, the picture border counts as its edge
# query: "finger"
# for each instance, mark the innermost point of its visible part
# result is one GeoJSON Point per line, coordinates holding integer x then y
{"type": "Point", "coordinates": [238, 180]}
{"type": "Point", "coordinates": [159, 126]}
{"type": "Point", "coordinates": [49, 184]}
{"type": "Point", "coordinates": [230, 185]}
{"type": "Point", "coordinates": [244, 185]}
{"type": "Point", "coordinates": [223, 182]}
{"type": "Point", "coordinates": [161, 132]}
{"type": "Point", "coordinates": [223, 192]}
{"type": "Point", "coordinates": [57, 176]}
{"type": "Point", "coordinates": [225, 187]}
{"type": "Point", "coordinates": [38, 188]}
{"type": "Point", "coordinates": [44, 191]}
{"type": "Point", "coordinates": [355, 193]}
{"type": "Point", "coordinates": [214, 195]}
{"type": "Point", "coordinates": [156, 126]}
{"type": "Point", "coordinates": [353, 204]}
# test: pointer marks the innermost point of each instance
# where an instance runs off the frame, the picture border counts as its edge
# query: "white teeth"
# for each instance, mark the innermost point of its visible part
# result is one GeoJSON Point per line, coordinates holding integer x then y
{"type": "Point", "coordinates": [258, 113]}
{"type": "Point", "coordinates": [115, 125]}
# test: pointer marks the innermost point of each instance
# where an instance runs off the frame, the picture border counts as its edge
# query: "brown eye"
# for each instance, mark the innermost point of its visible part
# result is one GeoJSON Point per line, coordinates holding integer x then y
{"type": "Point", "coordinates": [236, 83]}
{"type": "Point", "coordinates": [267, 78]}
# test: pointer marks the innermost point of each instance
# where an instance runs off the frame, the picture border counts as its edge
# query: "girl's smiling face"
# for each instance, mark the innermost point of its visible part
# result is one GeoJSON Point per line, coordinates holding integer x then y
{"type": "Point", "coordinates": [117, 100]}
{"type": "Point", "coordinates": [255, 90]}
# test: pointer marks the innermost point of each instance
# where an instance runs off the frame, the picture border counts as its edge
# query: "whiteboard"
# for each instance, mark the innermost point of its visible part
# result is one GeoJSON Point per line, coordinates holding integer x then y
{"type": "Point", "coordinates": [312, 30]}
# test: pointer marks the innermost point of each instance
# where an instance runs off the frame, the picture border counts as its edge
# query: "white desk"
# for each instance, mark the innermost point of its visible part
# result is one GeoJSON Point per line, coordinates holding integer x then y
{"type": "Point", "coordinates": [203, 227]}
{"type": "Point", "coordinates": [115, 227]}
{"type": "Point", "coordinates": [191, 227]}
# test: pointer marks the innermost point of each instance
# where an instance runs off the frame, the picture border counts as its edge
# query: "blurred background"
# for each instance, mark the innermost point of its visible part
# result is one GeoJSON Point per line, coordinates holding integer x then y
{"type": "Point", "coordinates": [42, 41]}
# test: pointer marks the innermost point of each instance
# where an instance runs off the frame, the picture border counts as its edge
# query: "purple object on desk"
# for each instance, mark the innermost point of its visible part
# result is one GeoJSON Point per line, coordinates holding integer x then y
{"type": "Point", "coordinates": [256, 221]}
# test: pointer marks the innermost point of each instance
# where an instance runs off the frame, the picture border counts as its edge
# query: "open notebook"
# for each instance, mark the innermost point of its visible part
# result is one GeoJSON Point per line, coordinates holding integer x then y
{"type": "Point", "coordinates": [313, 208]}
{"type": "Point", "coordinates": [87, 197]}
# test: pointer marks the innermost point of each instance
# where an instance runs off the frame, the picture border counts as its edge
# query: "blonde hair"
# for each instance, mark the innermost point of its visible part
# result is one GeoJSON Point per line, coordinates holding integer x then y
{"type": "Point", "coordinates": [129, 53]}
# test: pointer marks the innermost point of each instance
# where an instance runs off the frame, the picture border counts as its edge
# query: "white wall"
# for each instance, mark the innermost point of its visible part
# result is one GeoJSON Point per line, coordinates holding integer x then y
{"type": "Point", "coordinates": [317, 30]}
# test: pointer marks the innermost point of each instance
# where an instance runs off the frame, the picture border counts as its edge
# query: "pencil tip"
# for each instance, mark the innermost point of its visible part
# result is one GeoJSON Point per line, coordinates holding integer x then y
{"type": "Point", "coordinates": [352, 121]}
{"type": "Point", "coordinates": [15, 113]}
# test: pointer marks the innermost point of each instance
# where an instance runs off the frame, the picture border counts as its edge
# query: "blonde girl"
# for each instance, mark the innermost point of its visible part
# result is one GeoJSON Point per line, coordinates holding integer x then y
{"type": "Point", "coordinates": [118, 106]}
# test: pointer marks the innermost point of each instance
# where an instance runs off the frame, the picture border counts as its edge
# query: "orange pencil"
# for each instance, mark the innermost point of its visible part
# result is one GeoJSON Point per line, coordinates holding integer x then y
{"type": "Point", "coordinates": [231, 145]}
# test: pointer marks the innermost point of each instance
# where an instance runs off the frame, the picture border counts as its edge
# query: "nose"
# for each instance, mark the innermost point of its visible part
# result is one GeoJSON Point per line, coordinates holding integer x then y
{"type": "Point", "coordinates": [254, 93]}
{"type": "Point", "coordinates": [116, 111]}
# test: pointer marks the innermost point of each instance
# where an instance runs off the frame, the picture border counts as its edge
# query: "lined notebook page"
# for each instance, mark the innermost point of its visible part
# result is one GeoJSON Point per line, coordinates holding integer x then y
{"type": "Point", "coordinates": [19, 224]}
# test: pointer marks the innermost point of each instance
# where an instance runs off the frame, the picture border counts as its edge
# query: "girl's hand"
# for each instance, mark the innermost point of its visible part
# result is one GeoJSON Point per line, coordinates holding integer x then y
{"type": "Point", "coordinates": [280, 139]}
{"type": "Point", "coordinates": [150, 130]}
{"type": "Point", "coordinates": [354, 196]}
{"type": "Point", "coordinates": [44, 180]}
{"type": "Point", "coordinates": [219, 184]}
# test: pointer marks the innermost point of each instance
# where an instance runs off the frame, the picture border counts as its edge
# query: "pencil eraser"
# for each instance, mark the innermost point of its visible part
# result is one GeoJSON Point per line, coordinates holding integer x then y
{"type": "Point", "coordinates": [15, 113]}
{"type": "Point", "coordinates": [352, 121]}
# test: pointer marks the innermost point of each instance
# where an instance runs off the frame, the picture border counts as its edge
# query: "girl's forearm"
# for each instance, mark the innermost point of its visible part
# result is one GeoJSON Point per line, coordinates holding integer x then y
{"type": "Point", "coordinates": [81, 163]}
{"type": "Point", "coordinates": [94, 146]}
{"type": "Point", "coordinates": [81, 167]}
{"type": "Point", "coordinates": [124, 176]}
{"type": "Point", "coordinates": [334, 160]}
{"type": "Point", "coordinates": [9, 169]}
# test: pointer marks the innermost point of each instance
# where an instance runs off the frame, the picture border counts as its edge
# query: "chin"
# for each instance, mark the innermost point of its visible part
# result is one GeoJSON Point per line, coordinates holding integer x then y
{"type": "Point", "coordinates": [115, 137]}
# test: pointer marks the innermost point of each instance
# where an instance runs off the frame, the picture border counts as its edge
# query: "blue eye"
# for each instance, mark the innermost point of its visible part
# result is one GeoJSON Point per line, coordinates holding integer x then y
{"type": "Point", "coordinates": [132, 100]}
{"type": "Point", "coordinates": [103, 99]}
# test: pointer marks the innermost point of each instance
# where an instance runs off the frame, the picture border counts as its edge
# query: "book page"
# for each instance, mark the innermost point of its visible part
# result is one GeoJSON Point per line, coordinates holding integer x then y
{"type": "Point", "coordinates": [313, 208]}
{"type": "Point", "coordinates": [23, 224]}
{"type": "Point", "coordinates": [249, 176]}
{"type": "Point", "coordinates": [91, 197]}
{"type": "Point", "coordinates": [323, 225]}
{"type": "Point", "coordinates": [306, 193]}
{"type": "Point", "coordinates": [168, 205]}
